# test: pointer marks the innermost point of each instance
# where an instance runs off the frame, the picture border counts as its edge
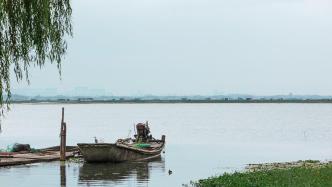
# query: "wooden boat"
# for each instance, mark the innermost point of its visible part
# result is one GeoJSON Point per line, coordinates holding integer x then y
{"type": "Point", "coordinates": [143, 147]}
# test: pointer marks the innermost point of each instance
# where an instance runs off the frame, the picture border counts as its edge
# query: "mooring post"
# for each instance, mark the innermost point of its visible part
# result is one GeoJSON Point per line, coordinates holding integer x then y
{"type": "Point", "coordinates": [63, 138]}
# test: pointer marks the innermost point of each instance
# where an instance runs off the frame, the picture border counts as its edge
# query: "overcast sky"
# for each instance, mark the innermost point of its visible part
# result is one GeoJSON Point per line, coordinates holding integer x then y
{"type": "Point", "coordinates": [175, 47]}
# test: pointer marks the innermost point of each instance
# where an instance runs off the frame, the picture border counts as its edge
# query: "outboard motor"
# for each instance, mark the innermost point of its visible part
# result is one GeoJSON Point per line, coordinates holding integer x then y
{"type": "Point", "coordinates": [143, 132]}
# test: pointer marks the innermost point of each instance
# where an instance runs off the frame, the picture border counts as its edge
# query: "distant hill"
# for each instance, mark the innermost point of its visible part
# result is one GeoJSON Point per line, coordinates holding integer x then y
{"type": "Point", "coordinates": [184, 98]}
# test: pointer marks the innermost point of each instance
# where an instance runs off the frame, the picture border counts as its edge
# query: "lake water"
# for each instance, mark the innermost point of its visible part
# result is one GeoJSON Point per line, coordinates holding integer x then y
{"type": "Point", "coordinates": [202, 140]}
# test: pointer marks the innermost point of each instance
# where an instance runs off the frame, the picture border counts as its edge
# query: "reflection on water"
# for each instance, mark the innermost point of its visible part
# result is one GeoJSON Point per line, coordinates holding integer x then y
{"type": "Point", "coordinates": [147, 173]}
{"type": "Point", "coordinates": [116, 173]}
{"type": "Point", "coordinates": [62, 174]}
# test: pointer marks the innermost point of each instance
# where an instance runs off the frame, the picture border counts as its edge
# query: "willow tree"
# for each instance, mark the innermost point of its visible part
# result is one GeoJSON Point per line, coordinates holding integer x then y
{"type": "Point", "coordinates": [32, 33]}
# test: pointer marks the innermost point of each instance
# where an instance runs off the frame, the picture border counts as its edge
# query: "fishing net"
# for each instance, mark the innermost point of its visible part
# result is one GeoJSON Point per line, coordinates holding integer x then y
{"type": "Point", "coordinates": [10, 148]}
{"type": "Point", "coordinates": [16, 147]}
{"type": "Point", "coordinates": [142, 145]}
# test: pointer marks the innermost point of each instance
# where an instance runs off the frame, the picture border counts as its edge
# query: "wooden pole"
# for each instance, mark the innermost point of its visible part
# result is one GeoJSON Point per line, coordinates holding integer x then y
{"type": "Point", "coordinates": [135, 129]}
{"type": "Point", "coordinates": [63, 138]}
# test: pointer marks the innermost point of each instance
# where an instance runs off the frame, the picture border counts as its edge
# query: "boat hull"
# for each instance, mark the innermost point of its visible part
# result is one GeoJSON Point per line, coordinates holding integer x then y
{"type": "Point", "coordinates": [108, 152]}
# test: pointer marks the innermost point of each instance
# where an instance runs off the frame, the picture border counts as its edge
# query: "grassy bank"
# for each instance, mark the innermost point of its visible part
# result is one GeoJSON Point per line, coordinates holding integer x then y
{"type": "Point", "coordinates": [311, 175]}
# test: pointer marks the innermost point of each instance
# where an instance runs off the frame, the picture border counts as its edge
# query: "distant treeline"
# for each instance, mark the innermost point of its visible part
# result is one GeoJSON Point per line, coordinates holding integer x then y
{"type": "Point", "coordinates": [183, 100]}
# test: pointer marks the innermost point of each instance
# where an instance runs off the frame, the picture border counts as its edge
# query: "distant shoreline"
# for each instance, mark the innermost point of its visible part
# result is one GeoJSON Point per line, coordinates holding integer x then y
{"type": "Point", "coordinates": [135, 101]}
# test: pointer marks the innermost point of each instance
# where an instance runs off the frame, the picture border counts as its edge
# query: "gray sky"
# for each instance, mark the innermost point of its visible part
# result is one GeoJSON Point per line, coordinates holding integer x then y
{"type": "Point", "coordinates": [174, 47]}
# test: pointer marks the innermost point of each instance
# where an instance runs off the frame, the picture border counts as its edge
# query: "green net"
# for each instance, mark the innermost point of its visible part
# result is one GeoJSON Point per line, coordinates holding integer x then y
{"type": "Point", "coordinates": [9, 148]}
{"type": "Point", "coordinates": [143, 145]}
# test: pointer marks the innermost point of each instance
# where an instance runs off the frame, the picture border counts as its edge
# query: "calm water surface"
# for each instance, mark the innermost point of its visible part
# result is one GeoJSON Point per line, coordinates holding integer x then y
{"type": "Point", "coordinates": [202, 140]}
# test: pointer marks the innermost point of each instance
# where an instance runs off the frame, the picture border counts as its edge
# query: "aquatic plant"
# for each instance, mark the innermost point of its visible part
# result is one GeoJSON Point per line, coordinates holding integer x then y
{"type": "Point", "coordinates": [295, 176]}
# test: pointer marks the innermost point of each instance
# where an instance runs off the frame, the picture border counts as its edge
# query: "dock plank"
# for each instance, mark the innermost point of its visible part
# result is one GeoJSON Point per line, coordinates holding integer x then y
{"type": "Point", "coordinates": [29, 158]}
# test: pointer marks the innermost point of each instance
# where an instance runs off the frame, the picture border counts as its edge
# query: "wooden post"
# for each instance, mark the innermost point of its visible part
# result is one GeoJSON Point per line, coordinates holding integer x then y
{"type": "Point", "coordinates": [63, 138]}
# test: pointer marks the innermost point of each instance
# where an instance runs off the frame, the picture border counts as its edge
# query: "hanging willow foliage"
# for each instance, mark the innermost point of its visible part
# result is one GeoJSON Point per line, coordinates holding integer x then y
{"type": "Point", "coordinates": [32, 32]}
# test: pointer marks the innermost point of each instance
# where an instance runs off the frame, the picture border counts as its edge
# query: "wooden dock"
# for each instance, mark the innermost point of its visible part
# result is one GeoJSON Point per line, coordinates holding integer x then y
{"type": "Point", "coordinates": [41, 155]}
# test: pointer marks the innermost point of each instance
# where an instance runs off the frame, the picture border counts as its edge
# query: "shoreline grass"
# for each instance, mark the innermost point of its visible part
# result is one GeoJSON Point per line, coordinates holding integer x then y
{"type": "Point", "coordinates": [311, 174]}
